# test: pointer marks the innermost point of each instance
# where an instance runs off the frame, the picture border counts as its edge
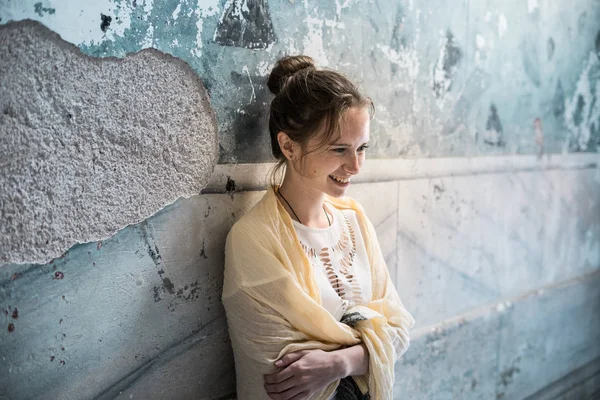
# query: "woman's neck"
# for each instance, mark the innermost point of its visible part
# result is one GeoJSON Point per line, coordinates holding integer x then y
{"type": "Point", "coordinates": [305, 204]}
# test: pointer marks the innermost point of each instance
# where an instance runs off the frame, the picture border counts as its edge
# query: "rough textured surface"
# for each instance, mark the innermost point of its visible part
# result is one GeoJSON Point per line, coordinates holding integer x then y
{"type": "Point", "coordinates": [459, 78]}
{"type": "Point", "coordinates": [90, 146]}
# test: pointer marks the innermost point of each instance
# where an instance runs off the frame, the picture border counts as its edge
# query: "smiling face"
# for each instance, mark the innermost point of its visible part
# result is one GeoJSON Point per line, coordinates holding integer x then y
{"type": "Point", "coordinates": [329, 168]}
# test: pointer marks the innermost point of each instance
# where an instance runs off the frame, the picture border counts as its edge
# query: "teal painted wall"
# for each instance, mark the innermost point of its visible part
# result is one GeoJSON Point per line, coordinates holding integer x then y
{"type": "Point", "coordinates": [464, 78]}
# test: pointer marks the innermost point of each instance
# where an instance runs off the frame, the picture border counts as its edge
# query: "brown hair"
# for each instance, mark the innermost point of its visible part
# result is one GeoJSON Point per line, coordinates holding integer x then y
{"type": "Point", "coordinates": [307, 102]}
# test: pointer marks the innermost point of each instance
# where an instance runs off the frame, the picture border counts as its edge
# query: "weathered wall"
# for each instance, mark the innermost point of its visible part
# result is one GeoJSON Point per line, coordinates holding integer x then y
{"type": "Point", "coordinates": [513, 270]}
{"type": "Point", "coordinates": [497, 257]}
{"type": "Point", "coordinates": [139, 313]}
{"type": "Point", "coordinates": [461, 78]}
{"type": "Point", "coordinates": [89, 146]}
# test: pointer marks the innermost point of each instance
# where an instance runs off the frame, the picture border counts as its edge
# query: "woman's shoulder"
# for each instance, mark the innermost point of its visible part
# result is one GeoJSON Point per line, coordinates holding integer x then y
{"type": "Point", "coordinates": [256, 222]}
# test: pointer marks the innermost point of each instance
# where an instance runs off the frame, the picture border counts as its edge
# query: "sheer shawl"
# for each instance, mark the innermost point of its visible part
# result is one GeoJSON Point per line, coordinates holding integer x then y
{"type": "Point", "coordinates": [273, 303]}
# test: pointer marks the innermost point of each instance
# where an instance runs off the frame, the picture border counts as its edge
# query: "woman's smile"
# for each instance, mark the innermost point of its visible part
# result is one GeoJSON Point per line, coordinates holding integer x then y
{"type": "Point", "coordinates": [339, 181]}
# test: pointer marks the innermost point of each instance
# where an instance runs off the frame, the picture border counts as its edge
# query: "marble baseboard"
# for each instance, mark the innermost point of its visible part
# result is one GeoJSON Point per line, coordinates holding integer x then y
{"type": "Point", "coordinates": [581, 383]}
{"type": "Point", "coordinates": [505, 351]}
{"type": "Point", "coordinates": [250, 177]}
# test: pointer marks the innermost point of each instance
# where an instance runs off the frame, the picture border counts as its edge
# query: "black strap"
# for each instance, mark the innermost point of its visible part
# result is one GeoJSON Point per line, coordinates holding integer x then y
{"type": "Point", "coordinates": [349, 390]}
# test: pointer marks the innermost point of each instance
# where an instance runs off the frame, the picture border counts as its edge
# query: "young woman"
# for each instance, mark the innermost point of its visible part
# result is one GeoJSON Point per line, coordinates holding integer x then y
{"type": "Point", "coordinates": [311, 310]}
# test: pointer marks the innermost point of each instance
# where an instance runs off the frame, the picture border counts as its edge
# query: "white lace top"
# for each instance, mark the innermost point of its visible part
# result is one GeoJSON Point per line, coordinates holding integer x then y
{"type": "Point", "coordinates": [339, 258]}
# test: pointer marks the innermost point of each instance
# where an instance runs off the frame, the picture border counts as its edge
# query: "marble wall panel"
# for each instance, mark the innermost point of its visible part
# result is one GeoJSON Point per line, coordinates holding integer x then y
{"type": "Point", "coordinates": [456, 361]}
{"type": "Point", "coordinates": [380, 202]}
{"type": "Point", "coordinates": [467, 241]}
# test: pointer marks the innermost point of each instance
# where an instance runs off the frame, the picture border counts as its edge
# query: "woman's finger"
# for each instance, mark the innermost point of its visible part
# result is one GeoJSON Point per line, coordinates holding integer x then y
{"type": "Point", "coordinates": [278, 377]}
{"type": "Point", "coordinates": [290, 358]}
{"type": "Point", "coordinates": [287, 394]}
{"type": "Point", "coordinates": [281, 386]}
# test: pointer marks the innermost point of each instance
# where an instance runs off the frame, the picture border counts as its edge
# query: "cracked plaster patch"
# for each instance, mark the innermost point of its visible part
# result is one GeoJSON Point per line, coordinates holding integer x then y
{"type": "Point", "coordinates": [89, 146]}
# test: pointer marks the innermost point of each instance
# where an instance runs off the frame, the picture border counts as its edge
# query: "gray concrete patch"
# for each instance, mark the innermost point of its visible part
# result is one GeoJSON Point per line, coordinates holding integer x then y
{"type": "Point", "coordinates": [89, 146]}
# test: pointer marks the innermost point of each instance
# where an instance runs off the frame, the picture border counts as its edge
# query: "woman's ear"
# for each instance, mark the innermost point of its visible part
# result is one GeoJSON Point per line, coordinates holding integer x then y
{"type": "Point", "coordinates": [287, 146]}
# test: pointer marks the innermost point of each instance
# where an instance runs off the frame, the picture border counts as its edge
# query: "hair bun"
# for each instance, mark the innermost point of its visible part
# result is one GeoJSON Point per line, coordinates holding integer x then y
{"type": "Point", "coordinates": [285, 68]}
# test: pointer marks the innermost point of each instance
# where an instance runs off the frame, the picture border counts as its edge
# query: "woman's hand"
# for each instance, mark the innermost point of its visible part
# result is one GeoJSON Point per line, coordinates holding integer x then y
{"type": "Point", "coordinates": [303, 373]}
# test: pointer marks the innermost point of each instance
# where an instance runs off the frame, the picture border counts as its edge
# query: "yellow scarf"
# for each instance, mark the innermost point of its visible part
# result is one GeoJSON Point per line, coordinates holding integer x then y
{"type": "Point", "coordinates": [273, 303]}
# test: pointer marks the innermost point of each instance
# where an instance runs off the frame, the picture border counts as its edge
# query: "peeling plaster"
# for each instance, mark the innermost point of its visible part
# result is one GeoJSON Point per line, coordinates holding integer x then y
{"type": "Point", "coordinates": [550, 47]}
{"type": "Point", "coordinates": [532, 5]}
{"type": "Point", "coordinates": [539, 136]}
{"type": "Point", "coordinates": [446, 67]}
{"type": "Point", "coordinates": [245, 24]}
{"type": "Point", "coordinates": [313, 41]}
{"type": "Point", "coordinates": [365, 41]}
{"type": "Point", "coordinates": [582, 111]}
{"type": "Point", "coordinates": [92, 145]}
{"type": "Point", "coordinates": [264, 68]}
{"type": "Point", "coordinates": [84, 17]}
{"type": "Point", "coordinates": [479, 41]}
{"type": "Point", "coordinates": [480, 49]}
{"type": "Point", "coordinates": [317, 23]}
{"type": "Point", "coordinates": [531, 61]}
{"type": "Point", "coordinates": [493, 128]}
{"type": "Point", "coordinates": [406, 58]}
{"type": "Point", "coordinates": [502, 25]}
{"type": "Point", "coordinates": [204, 9]}
{"type": "Point", "coordinates": [176, 12]}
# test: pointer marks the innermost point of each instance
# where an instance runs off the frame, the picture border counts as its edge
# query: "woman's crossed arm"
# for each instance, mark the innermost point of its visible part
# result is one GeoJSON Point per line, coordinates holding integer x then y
{"type": "Point", "coordinates": [305, 372]}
